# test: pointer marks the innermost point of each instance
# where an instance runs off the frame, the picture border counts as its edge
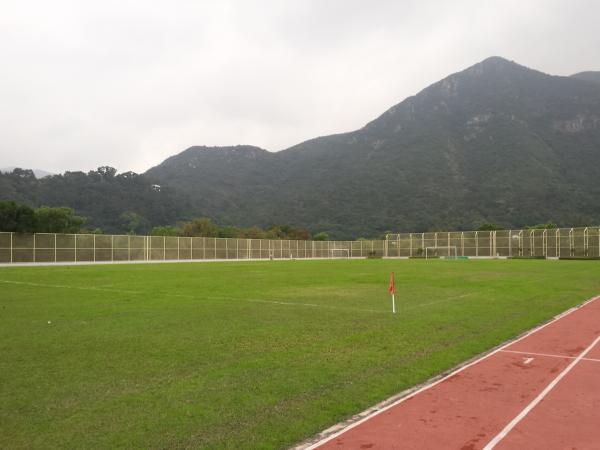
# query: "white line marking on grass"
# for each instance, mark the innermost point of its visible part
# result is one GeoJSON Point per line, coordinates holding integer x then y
{"type": "Point", "coordinates": [338, 429]}
{"type": "Point", "coordinates": [549, 355]}
{"type": "Point", "coordinates": [63, 286]}
{"type": "Point", "coordinates": [539, 398]}
{"type": "Point", "coordinates": [167, 294]}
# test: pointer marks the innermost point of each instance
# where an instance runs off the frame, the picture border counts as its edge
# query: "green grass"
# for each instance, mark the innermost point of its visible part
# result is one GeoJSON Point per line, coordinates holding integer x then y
{"type": "Point", "coordinates": [202, 356]}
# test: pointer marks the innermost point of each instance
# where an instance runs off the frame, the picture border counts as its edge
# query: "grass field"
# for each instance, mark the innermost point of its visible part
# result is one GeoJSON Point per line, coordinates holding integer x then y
{"type": "Point", "coordinates": [247, 355]}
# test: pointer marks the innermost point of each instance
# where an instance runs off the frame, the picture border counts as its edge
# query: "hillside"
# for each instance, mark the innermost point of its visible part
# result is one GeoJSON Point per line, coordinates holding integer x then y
{"type": "Point", "coordinates": [108, 200]}
{"type": "Point", "coordinates": [588, 76]}
{"type": "Point", "coordinates": [497, 142]}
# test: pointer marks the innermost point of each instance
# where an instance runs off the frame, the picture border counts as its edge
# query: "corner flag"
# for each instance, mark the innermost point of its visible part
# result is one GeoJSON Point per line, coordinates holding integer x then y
{"type": "Point", "coordinates": [393, 292]}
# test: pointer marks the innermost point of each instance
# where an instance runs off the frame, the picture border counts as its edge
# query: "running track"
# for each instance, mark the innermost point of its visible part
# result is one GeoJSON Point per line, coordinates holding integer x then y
{"type": "Point", "coordinates": [541, 391]}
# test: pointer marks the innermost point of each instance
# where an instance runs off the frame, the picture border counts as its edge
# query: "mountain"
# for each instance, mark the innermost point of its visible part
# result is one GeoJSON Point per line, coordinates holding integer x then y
{"type": "Point", "coordinates": [39, 173]}
{"type": "Point", "coordinates": [587, 76]}
{"type": "Point", "coordinates": [497, 142]}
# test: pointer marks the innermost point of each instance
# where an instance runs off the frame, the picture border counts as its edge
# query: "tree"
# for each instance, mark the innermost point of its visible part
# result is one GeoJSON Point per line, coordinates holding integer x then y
{"type": "Point", "coordinates": [200, 227]}
{"type": "Point", "coordinates": [487, 226]}
{"type": "Point", "coordinates": [229, 232]}
{"type": "Point", "coordinates": [57, 220]}
{"type": "Point", "coordinates": [16, 218]}
{"type": "Point", "coordinates": [167, 230]}
{"type": "Point", "coordinates": [322, 236]}
{"type": "Point", "coordinates": [254, 233]}
{"type": "Point", "coordinates": [132, 222]}
{"type": "Point", "coordinates": [107, 171]}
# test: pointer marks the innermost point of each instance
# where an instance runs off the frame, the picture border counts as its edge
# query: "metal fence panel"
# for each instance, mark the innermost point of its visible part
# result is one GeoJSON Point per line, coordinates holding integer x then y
{"type": "Point", "coordinates": [49, 247]}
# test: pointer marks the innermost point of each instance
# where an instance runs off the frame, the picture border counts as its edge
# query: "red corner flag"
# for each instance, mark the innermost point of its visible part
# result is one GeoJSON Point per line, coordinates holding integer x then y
{"type": "Point", "coordinates": [392, 292]}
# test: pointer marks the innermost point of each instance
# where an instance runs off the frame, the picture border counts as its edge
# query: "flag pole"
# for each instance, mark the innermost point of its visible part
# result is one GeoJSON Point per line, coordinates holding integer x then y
{"type": "Point", "coordinates": [393, 292]}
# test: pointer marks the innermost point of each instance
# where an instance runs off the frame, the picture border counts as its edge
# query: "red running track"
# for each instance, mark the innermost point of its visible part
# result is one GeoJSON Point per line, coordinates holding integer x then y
{"type": "Point", "coordinates": [541, 391]}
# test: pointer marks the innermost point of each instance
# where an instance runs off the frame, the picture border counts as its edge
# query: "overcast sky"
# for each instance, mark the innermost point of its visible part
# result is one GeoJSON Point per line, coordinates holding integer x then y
{"type": "Point", "coordinates": [129, 83]}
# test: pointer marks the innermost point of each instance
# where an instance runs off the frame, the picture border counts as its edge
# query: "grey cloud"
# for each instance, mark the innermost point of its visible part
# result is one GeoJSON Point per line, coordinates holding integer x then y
{"type": "Point", "coordinates": [129, 83]}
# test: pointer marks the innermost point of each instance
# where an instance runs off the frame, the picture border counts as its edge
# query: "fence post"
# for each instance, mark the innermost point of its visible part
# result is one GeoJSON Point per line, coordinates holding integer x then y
{"type": "Point", "coordinates": [545, 243]}
{"type": "Point", "coordinates": [462, 243]}
{"type": "Point", "coordinates": [11, 247]}
{"type": "Point", "coordinates": [112, 247]}
{"type": "Point", "coordinates": [128, 247]}
{"type": "Point", "coordinates": [178, 247]}
{"type": "Point", "coordinates": [477, 243]}
{"type": "Point", "coordinates": [54, 247]}
{"type": "Point", "coordinates": [34, 247]}
{"type": "Point", "coordinates": [75, 238]}
{"type": "Point", "coordinates": [571, 242]}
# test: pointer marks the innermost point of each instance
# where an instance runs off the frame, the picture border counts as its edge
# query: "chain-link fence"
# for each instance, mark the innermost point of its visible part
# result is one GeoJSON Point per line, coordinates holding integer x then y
{"type": "Point", "coordinates": [50, 247]}
{"type": "Point", "coordinates": [549, 243]}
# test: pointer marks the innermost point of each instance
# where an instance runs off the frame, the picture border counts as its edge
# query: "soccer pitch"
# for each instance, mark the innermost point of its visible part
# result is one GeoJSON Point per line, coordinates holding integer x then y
{"type": "Point", "coordinates": [247, 354]}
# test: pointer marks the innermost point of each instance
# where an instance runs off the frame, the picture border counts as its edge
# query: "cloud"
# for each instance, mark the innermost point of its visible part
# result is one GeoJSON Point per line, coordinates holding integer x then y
{"type": "Point", "coordinates": [129, 83]}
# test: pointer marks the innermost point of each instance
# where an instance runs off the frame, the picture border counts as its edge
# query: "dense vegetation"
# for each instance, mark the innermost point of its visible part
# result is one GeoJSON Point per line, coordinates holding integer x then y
{"type": "Point", "coordinates": [496, 143]}
{"type": "Point", "coordinates": [207, 228]}
{"type": "Point", "coordinates": [126, 202]}
{"type": "Point", "coordinates": [24, 219]}
{"type": "Point", "coordinates": [246, 355]}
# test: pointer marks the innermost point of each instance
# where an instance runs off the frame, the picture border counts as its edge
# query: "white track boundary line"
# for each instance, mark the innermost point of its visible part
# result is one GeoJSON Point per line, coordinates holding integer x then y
{"type": "Point", "coordinates": [405, 395]}
{"type": "Point", "coordinates": [507, 429]}
{"type": "Point", "coordinates": [549, 356]}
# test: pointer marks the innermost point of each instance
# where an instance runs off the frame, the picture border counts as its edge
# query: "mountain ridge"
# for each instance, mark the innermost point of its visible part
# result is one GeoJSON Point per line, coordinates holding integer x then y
{"type": "Point", "coordinates": [495, 142]}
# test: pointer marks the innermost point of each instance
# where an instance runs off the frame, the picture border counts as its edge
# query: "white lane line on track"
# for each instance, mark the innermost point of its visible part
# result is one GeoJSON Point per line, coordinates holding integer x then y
{"type": "Point", "coordinates": [507, 429]}
{"type": "Point", "coordinates": [372, 412]}
{"type": "Point", "coordinates": [549, 355]}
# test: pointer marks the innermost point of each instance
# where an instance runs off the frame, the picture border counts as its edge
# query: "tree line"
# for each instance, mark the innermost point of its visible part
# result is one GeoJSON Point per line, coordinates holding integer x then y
{"type": "Point", "coordinates": [207, 228]}
{"type": "Point", "coordinates": [21, 218]}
